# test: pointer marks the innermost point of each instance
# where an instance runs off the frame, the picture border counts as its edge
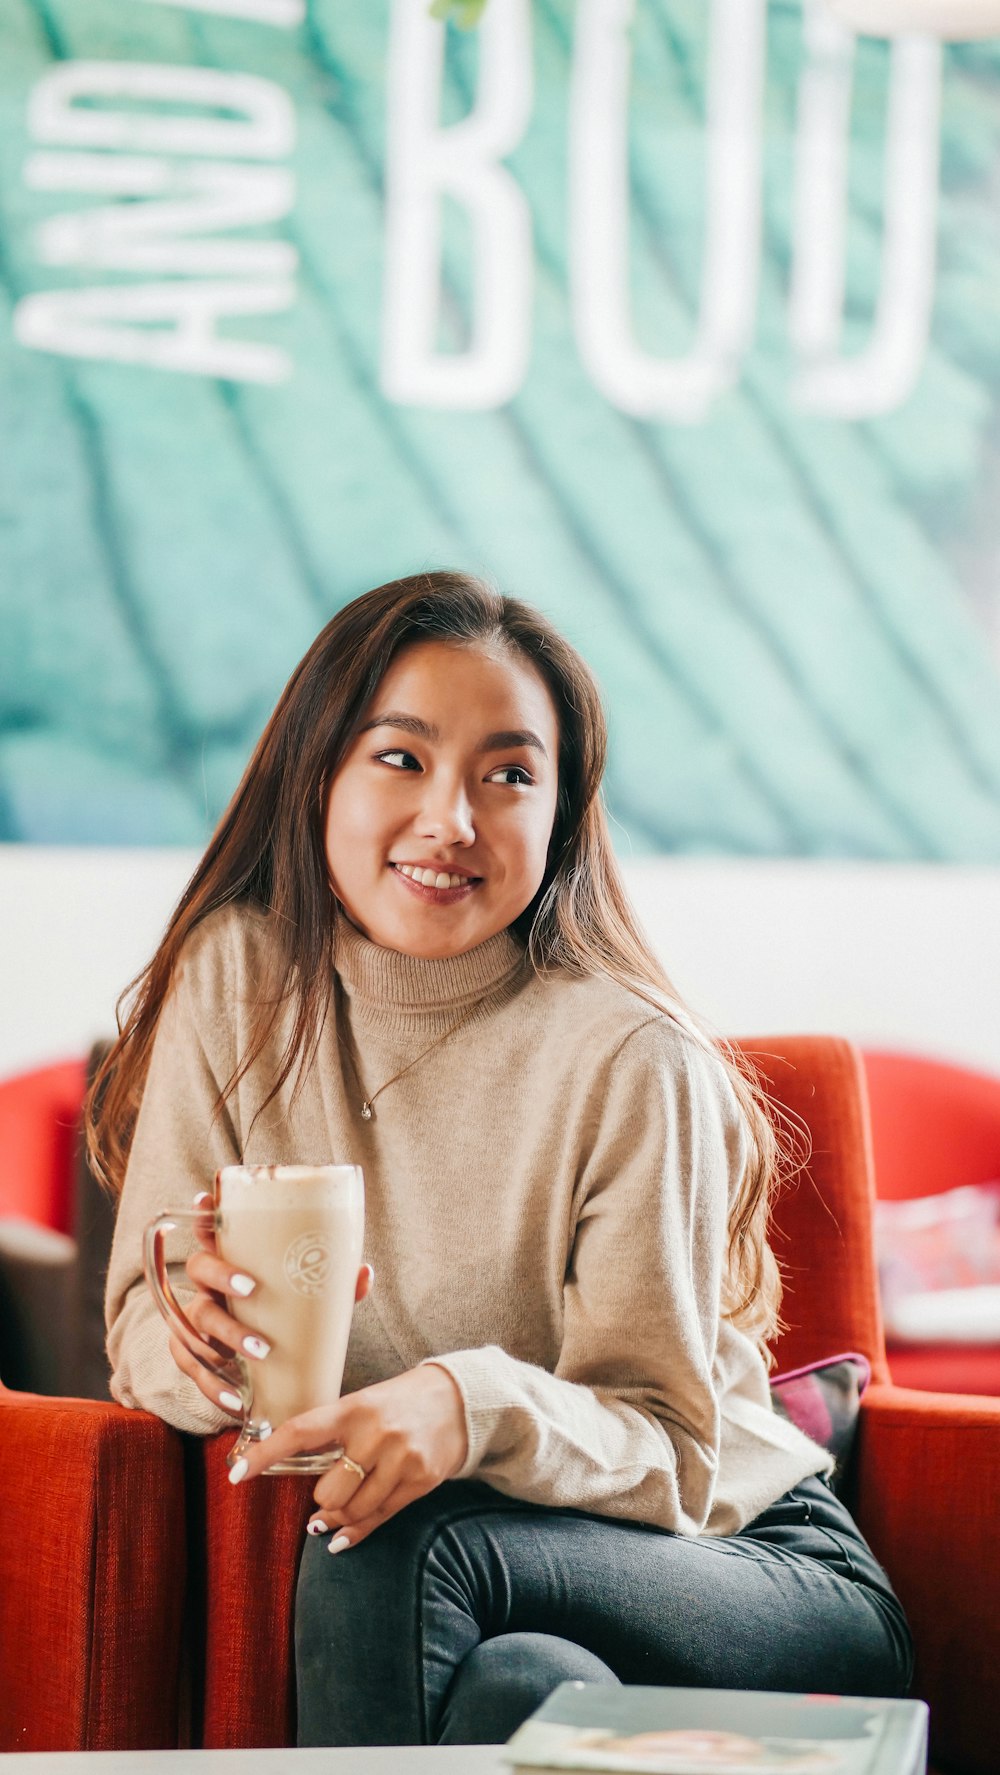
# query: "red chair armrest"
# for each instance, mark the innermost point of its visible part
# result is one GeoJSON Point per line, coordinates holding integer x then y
{"type": "Point", "coordinates": [928, 1489]}
{"type": "Point", "coordinates": [92, 1575]}
{"type": "Point", "coordinates": [247, 1541]}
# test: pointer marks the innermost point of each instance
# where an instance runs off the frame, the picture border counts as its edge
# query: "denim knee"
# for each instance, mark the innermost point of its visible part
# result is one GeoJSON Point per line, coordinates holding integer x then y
{"type": "Point", "coordinates": [503, 1680]}
{"type": "Point", "coordinates": [382, 1628]}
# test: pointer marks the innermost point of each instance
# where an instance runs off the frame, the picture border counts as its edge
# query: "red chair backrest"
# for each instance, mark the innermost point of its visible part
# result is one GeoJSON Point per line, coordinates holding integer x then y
{"type": "Point", "coordinates": [935, 1126]}
{"type": "Point", "coordinates": [822, 1224]}
{"type": "Point", "coordinates": [39, 1123]}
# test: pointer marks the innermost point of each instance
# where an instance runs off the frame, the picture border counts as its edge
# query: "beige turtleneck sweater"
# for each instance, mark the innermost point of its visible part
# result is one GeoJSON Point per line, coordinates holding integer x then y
{"type": "Point", "coordinates": [546, 1207]}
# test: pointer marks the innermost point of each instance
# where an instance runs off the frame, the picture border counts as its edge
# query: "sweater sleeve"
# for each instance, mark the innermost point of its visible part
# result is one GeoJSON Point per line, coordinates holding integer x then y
{"type": "Point", "coordinates": [178, 1145]}
{"type": "Point", "coordinates": [628, 1425]}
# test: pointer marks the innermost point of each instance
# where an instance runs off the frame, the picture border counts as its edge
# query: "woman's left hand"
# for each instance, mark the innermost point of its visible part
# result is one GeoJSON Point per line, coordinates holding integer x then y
{"type": "Point", "coordinates": [407, 1433]}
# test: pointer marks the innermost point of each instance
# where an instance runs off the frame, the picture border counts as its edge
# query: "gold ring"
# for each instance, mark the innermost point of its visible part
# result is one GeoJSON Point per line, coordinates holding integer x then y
{"type": "Point", "coordinates": [344, 1460]}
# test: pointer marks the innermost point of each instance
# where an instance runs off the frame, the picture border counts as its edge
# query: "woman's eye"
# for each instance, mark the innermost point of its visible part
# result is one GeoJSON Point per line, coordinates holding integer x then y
{"type": "Point", "coordinates": [513, 774]}
{"type": "Point", "coordinates": [398, 760]}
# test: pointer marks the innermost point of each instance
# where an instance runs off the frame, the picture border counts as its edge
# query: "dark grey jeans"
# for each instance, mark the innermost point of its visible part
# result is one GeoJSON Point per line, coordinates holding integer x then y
{"type": "Point", "coordinates": [453, 1621]}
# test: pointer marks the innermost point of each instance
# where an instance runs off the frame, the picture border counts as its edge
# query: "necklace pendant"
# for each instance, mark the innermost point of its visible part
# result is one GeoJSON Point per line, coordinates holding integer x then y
{"type": "Point", "coordinates": [366, 1112]}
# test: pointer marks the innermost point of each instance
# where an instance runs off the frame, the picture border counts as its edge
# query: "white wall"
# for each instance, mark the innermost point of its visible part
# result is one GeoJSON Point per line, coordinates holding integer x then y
{"type": "Point", "coordinates": [893, 955]}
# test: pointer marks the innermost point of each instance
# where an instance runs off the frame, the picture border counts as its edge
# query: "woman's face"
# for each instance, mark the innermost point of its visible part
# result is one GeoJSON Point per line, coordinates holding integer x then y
{"type": "Point", "coordinates": [452, 776]}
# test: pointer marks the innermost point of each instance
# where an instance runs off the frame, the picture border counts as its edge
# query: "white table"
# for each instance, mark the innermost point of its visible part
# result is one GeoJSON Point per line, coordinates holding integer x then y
{"type": "Point", "coordinates": [393, 1759]}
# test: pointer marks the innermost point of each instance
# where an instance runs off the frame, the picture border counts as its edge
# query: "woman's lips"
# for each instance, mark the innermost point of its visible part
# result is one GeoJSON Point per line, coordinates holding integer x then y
{"type": "Point", "coordinates": [434, 895]}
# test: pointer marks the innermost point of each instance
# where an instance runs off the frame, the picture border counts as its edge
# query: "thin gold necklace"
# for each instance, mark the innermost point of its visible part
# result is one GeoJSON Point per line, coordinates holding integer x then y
{"type": "Point", "coordinates": [367, 1112]}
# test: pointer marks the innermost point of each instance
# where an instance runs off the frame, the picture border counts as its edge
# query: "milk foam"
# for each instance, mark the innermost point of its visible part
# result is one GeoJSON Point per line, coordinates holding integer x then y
{"type": "Point", "coordinates": [273, 1187]}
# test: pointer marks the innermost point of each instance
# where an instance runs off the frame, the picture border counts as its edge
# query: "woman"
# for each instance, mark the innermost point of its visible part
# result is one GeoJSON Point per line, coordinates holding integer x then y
{"type": "Point", "coordinates": [559, 1454]}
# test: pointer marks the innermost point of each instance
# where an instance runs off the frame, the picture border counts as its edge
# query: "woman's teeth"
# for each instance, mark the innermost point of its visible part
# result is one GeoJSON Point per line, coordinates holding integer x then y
{"type": "Point", "coordinates": [430, 878]}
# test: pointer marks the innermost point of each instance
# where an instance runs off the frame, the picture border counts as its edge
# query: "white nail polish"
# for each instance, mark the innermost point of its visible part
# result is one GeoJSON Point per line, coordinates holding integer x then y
{"type": "Point", "coordinates": [203, 1196]}
{"type": "Point", "coordinates": [238, 1471]}
{"type": "Point", "coordinates": [240, 1284]}
{"type": "Point", "coordinates": [256, 1346]}
{"type": "Point", "coordinates": [231, 1401]}
{"type": "Point", "coordinates": [338, 1544]}
{"type": "Point", "coordinates": [316, 1528]}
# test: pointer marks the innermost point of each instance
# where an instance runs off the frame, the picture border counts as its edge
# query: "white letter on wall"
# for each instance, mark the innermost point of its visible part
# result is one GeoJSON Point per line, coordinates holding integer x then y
{"type": "Point", "coordinates": [652, 387]}
{"type": "Point", "coordinates": [194, 199]}
{"type": "Point", "coordinates": [263, 127]}
{"type": "Point", "coordinates": [425, 163]}
{"type": "Point", "coordinates": [879, 378]}
{"type": "Point", "coordinates": [170, 326]}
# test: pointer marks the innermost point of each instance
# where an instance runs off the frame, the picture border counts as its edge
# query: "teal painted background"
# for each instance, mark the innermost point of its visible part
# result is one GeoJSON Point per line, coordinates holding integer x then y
{"type": "Point", "coordinates": [795, 618]}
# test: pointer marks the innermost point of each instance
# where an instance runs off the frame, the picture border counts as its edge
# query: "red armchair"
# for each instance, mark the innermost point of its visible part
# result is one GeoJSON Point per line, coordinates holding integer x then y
{"type": "Point", "coordinates": [935, 1126]}
{"type": "Point", "coordinates": [91, 1574]}
{"type": "Point", "coordinates": [93, 1542]}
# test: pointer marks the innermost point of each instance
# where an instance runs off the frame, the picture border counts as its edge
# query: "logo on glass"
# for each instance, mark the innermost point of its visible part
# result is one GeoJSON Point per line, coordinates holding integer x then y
{"type": "Point", "coordinates": [307, 1263]}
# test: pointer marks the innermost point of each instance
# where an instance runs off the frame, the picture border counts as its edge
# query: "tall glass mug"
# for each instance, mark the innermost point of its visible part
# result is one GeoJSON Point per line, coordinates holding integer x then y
{"type": "Point", "coordinates": [298, 1231]}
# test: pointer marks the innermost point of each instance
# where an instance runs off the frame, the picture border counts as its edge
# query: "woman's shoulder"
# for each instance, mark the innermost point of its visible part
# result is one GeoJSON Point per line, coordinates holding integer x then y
{"type": "Point", "coordinates": [613, 1018]}
{"type": "Point", "coordinates": [226, 947]}
{"type": "Point", "coordinates": [621, 1048]}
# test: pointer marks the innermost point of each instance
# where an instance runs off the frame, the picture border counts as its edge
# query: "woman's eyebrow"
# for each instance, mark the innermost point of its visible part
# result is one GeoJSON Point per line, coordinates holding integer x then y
{"type": "Point", "coordinates": [409, 724]}
{"type": "Point", "coordinates": [515, 736]}
{"type": "Point", "coordinates": [425, 730]}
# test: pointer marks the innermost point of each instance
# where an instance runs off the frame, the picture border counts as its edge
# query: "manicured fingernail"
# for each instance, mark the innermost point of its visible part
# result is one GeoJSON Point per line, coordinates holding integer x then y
{"type": "Point", "coordinates": [238, 1471]}
{"type": "Point", "coordinates": [338, 1544]}
{"type": "Point", "coordinates": [317, 1527]}
{"type": "Point", "coordinates": [231, 1401]}
{"type": "Point", "coordinates": [204, 1195]}
{"type": "Point", "coordinates": [256, 1346]}
{"type": "Point", "coordinates": [241, 1284]}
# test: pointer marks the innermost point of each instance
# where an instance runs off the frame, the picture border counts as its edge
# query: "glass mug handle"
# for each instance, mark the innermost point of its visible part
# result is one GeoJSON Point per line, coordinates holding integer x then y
{"type": "Point", "coordinates": [234, 1370]}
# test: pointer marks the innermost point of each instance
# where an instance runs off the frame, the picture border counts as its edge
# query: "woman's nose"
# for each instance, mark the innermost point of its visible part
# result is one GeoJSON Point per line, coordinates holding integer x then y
{"type": "Point", "coordinates": [446, 815]}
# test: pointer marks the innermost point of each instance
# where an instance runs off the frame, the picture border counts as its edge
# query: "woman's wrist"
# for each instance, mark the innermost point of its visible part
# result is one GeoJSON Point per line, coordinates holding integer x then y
{"type": "Point", "coordinates": [438, 1365]}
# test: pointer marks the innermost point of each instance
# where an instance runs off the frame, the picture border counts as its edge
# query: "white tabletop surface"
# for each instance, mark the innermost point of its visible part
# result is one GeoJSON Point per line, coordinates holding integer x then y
{"type": "Point", "coordinates": [393, 1759]}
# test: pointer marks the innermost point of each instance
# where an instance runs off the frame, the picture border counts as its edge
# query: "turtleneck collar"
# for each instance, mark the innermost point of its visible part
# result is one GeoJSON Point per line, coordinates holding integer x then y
{"type": "Point", "coordinates": [406, 992]}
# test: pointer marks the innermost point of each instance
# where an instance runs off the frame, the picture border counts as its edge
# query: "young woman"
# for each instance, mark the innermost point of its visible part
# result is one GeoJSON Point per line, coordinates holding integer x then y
{"type": "Point", "coordinates": [408, 947]}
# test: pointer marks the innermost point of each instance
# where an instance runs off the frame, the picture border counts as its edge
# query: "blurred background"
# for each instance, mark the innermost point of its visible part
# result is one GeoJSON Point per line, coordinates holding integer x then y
{"type": "Point", "coordinates": [679, 319]}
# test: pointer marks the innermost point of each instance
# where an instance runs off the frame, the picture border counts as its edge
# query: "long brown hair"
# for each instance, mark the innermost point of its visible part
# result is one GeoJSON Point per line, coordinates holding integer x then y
{"type": "Point", "coordinates": [268, 851]}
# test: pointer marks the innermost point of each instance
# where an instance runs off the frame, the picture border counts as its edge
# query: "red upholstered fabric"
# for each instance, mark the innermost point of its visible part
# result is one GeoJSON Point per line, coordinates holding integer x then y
{"type": "Point", "coordinates": [247, 1540]}
{"type": "Point", "coordinates": [947, 1368]}
{"type": "Point", "coordinates": [91, 1576]}
{"type": "Point", "coordinates": [822, 1225]}
{"type": "Point", "coordinates": [934, 1126]}
{"type": "Point", "coordinates": [928, 1491]}
{"type": "Point", "coordinates": [39, 1119]}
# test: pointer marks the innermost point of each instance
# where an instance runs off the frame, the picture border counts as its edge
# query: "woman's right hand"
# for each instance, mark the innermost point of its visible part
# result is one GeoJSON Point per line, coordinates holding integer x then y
{"type": "Point", "coordinates": [221, 1335]}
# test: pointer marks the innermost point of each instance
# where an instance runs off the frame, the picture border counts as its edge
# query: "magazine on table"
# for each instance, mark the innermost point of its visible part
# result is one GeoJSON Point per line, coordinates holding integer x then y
{"type": "Point", "coordinates": [642, 1730]}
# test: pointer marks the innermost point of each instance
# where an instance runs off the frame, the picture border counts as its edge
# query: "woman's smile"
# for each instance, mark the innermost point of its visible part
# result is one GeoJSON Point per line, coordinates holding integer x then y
{"type": "Point", "coordinates": [436, 884]}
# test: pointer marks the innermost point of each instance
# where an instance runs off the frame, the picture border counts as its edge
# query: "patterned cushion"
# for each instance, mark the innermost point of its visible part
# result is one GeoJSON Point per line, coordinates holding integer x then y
{"type": "Point", "coordinates": [823, 1400]}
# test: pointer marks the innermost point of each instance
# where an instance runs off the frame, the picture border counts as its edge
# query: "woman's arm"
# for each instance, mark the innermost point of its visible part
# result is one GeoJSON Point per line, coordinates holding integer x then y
{"type": "Point", "coordinates": [628, 1425]}
{"type": "Point", "coordinates": [179, 1144]}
